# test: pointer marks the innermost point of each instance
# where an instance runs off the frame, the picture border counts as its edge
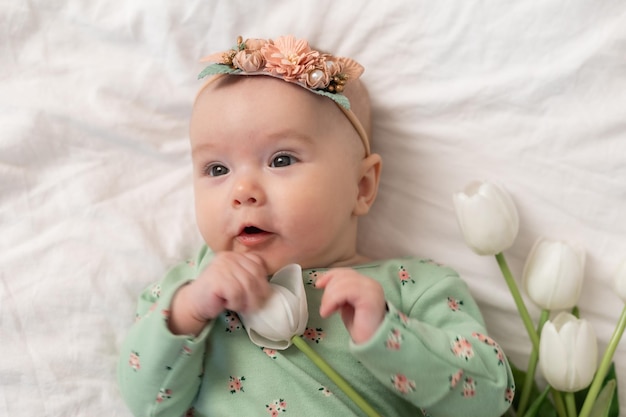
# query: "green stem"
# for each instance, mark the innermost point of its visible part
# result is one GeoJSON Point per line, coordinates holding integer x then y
{"type": "Point", "coordinates": [605, 364]}
{"type": "Point", "coordinates": [538, 402]}
{"type": "Point", "coordinates": [532, 367]}
{"type": "Point", "coordinates": [570, 401]}
{"type": "Point", "coordinates": [519, 301]}
{"type": "Point", "coordinates": [559, 405]}
{"type": "Point", "coordinates": [334, 376]}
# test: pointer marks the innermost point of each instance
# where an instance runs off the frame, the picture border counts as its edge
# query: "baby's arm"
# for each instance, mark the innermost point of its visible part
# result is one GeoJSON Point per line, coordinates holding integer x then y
{"type": "Point", "coordinates": [159, 371]}
{"type": "Point", "coordinates": [436, 351]}
{"type": "Point", "coordinates": [430, 347]}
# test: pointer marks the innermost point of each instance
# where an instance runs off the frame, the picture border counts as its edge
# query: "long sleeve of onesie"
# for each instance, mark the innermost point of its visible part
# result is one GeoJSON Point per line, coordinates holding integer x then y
{"type": "Point", "coordinates": [432, 348]}
{"type": "Point", "coordinates": [154, 363]}
{"type": "Point", "coordinates": [431, 355]}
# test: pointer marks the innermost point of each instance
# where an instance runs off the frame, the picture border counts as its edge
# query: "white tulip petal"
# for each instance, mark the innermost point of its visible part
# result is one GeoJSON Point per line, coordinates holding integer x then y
{"type": "Point", "coordinates": [487, 218]}
{"type": "Point", "coordinates": [553, 274]}
{"type": "Point", "coordinates": [561, 319]}
{"type": "Point", "coordinates": [569, 335]}
{"type": "Point", "coordinates": [552, 355]}
{"type": "Point", "coordinates": [586, 354]}
{"type": "Point", "coordinates": [275, 320]}
{"type": "Point", "coordinates": [508, 209]}
{"type": "Point", "coordinates": [620, 281]}
{"type": "Point", "coordinates": [568, 352]}
{"type": "Point", "coordinates": [283, 315]}
{"type": "Point", "coordinates": [571, 268]}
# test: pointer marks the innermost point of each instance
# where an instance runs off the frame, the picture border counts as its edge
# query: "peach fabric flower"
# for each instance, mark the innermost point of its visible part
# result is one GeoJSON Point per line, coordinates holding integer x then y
{"type": "Point", "coordinates": [255, 44]}
{"type": "Point", "coordinates": [347, 67]}
{"type": "Point", "coordinates": [288, 57]}
{"type": "Point", "coordinates": [249, 61]}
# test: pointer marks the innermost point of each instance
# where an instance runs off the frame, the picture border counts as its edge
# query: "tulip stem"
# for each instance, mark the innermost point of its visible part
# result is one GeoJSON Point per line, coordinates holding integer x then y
{"type": "Point", "coordinates": [605, 364]}
{"type": "Point", "coordinates": [334, 376]}
{"type": "Point", "coordinates": [519, 301]}
{"type": "Point", "coordinates": [570, 403]}
{"type": "Point", "coordinates": [559, 404]}
{"type": "Point", "coordinates": [532, 367]}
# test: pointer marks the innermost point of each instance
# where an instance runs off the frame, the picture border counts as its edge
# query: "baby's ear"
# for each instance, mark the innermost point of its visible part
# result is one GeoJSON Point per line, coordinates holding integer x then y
{"type": "Point", "coordinates": [368, 184]}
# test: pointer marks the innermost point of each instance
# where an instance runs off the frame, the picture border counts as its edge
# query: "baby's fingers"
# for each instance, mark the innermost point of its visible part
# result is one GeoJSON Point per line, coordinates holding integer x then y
{"type": "Point", "coordinates": [360, 300]}
{"type": "Point", "coordinates": [253, 290]}
{"type": "Point", "coordinates": [337, 292]}
{"type": "Point", "coordinates": [323, 279]}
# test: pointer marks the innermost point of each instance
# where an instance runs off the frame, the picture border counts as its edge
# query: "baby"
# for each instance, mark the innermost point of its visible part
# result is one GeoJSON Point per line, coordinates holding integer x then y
{"type": "Point", "coordinates": [282, 172]}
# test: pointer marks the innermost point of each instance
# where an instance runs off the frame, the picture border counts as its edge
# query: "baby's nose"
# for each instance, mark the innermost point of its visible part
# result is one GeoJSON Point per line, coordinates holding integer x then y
{"type": "Point", "coordinates": [247, 192]}
{"type": "Point", "coordinates": [249, 200]}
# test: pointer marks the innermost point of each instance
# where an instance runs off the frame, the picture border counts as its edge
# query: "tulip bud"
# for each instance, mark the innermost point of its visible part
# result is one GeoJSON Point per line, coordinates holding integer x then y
{"type": "Point", "coordinates": [568, 352]}
{"type": "Point", "coordinates": [553, 274]}
{"type": "Point", "coordinates": [284, 313]}
{"type": "Point", "coordinates": [620, 281]}
{"type": "Point", "coordinates": [487, 217]}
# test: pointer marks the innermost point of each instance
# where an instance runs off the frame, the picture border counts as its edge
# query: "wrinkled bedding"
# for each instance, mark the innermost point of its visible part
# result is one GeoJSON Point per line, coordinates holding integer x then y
{"type": "Point", "coordinates": [95, 190]}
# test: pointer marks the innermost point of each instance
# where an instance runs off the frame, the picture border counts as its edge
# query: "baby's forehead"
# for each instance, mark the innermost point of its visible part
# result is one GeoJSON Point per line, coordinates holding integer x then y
{"type": "Point", "coordinates": [270, 113]}
{"type": "Point", "coordinates": [255, 96]}
{"type": "Point", "coordinates": [250, 98]}
{"type": "Point", "coordinates": [283, 102]}
{"type": "Point", "coordinates": [248, 86]}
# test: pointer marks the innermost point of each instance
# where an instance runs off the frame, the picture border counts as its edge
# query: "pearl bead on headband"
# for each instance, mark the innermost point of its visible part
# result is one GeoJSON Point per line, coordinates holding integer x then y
{"type": "Point", "coordinates": [293, 61]}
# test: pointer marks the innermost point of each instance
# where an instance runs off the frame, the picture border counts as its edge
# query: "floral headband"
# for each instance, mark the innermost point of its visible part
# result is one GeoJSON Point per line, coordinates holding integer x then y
{"type": "Point", "coordinates": [295, 62]}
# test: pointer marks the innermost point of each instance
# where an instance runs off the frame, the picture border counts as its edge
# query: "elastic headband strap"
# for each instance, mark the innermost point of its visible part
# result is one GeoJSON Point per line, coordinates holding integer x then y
{"type": "Point", "coordinates": [358, 127]}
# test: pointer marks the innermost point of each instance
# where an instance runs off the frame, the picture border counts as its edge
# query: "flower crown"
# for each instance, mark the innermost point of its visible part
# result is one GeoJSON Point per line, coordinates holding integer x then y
{"type": "Point", "coordinates": [291, 59]}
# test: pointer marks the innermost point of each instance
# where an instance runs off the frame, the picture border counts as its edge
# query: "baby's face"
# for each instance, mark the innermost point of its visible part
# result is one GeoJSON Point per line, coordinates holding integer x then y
{"type": "Point", "coordinates": [276, 173]}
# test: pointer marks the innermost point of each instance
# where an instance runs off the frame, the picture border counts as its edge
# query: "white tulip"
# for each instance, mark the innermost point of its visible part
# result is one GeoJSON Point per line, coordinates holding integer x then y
{"type": "Point", "coordinates": [553, 274]}
{"type": "Point", "coordinates": [284, 313]}
{"type": "Point", "coordinates": [568, 352]}
{"type": "Point", "coordinates": [620, 281]}
{"type": "Point", "coordinates": [487, 217]}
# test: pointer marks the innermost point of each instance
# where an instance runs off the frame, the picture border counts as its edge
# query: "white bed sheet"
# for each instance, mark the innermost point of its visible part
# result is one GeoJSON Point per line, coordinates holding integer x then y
{"type": "Point", "coordinates": [95, 194]}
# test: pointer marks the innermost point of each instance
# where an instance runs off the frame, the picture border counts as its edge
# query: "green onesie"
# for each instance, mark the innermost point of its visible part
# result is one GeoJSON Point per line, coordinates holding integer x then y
{"type": "Point", "coordinates": [430, 355]}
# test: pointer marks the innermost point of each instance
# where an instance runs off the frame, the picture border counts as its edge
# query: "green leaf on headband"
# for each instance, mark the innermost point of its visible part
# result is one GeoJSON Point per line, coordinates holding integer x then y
{"type": "Point", "coordinates": [338, 98]}
{"type": "Point", "coordinates": [215, 69]}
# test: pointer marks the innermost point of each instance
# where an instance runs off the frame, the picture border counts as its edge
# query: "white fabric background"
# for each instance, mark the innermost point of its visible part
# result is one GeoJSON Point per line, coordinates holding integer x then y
{"type": "Point", "coordinates": [95, 192]}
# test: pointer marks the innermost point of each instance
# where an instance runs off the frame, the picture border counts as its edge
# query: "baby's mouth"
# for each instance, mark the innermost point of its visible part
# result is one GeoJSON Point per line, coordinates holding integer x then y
{"type": "Point", "coordinates": [252, 230]}
{"type": "Point", "coordinates": [253, 236]}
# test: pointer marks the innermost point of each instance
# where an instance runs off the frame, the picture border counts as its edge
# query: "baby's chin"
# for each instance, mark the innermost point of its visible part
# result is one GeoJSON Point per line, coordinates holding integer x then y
{"type": "Point", "coordinates": [271, 262]}
{"type": "Point", "coordinates": [274, 265]}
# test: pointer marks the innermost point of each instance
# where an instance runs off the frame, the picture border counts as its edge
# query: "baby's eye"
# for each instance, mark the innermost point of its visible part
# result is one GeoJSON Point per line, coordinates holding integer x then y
{"type": "Point", "coordinates": [216, 170]}
{"type": "Point", "coordinates": [283, 160]}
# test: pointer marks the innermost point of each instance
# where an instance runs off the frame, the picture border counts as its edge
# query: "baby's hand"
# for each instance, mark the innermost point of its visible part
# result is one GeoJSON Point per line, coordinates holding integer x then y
{"type": "Point", "coordinates": [232, 281]}
{"type": "Point", "coordinates": [359, 299]}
